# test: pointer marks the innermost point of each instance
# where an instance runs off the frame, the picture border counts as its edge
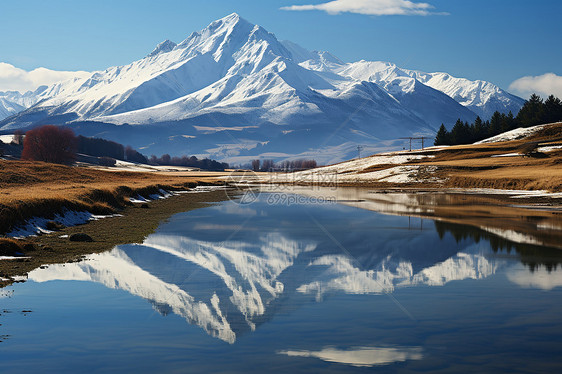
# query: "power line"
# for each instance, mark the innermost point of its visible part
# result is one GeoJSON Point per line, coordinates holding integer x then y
{"type": "Point", "coordinates": [416, 138]}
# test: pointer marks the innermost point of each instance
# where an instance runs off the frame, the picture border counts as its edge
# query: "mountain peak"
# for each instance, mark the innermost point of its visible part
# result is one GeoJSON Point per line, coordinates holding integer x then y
{"type": "Point", "coordinates": [217, 30]}
{"type": "Point", "coordinates": [233, 17]}
{"type": "Point", "coordinates": [230, 20]}
{"type": "Point", "coordinates": [163, 47]}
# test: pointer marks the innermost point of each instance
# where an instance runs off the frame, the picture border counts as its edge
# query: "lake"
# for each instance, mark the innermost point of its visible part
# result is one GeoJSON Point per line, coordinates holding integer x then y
{"type": "Point", "coordinates": [276, 283]}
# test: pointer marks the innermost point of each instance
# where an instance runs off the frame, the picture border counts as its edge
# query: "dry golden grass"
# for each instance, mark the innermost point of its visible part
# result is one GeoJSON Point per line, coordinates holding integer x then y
{"type": "Point", "coordinates": [30, 189]}
{"type": "Point", "coordinates": [9, 247]}
{"type": "Point", "coordinates": [472, 166]}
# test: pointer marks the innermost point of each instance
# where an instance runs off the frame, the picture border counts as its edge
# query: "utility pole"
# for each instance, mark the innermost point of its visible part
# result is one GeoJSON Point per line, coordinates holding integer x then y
{"type": "Point", "coordinates": [359, 149]}
{"type": "Point", "coordinates": [410, 138]}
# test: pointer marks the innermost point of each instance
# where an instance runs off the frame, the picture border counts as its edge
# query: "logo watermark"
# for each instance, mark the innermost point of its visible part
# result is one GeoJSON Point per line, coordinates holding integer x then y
{"type": "Point", "coordinates": [245, 185]}
{"type": "Point", "coordinates": [281, 188]}
{"type": "Point", "coordinates": [277, 198]}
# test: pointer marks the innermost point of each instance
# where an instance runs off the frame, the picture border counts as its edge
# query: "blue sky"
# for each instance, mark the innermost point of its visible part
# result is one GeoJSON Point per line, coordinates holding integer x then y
{"type": "Point", "coordinates": [495, 40]}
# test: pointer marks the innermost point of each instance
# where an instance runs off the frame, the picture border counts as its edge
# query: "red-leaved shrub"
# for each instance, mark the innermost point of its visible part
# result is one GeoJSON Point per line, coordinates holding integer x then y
{"type": "Point", "coordinates": [50, 144]}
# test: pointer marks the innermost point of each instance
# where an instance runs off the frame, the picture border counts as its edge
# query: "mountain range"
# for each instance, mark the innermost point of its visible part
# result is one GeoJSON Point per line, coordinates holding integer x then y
{"type": "Point", "coordinates": [234, 92]}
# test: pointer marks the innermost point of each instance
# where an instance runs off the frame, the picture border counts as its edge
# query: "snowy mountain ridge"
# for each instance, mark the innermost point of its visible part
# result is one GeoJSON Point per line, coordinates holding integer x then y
{"type": "Point", "coordinates": [13, 102]}
{"type": "Point", "coordinates": [232, 91]}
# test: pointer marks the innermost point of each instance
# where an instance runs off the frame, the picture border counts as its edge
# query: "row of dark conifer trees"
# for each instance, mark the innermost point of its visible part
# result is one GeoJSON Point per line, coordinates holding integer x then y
{"type": "Point", "coordinates": [534, 112]}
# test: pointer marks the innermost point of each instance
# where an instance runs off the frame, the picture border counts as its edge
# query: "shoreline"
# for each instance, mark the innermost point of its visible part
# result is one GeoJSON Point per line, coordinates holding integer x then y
{"type": "Point", "coordinates": [136, 221]}
{"type": "Point", "coordinates": [133, 225]}
{"type": "Point", "coordinates": [31, 190]}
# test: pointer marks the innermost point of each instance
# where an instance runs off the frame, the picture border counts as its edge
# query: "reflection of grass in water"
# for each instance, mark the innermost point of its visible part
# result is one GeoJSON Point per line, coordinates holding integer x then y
{"type": "Point", "coordinates": [532, 256]}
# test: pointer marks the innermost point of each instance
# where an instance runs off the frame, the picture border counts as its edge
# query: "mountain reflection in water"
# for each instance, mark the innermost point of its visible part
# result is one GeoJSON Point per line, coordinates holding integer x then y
{"type": "Point", "coordinates": [228, 268]}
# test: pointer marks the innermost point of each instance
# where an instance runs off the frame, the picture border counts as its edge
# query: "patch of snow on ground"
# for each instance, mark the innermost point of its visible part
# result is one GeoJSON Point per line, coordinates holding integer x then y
{"type": "Point", "coordinates": [37, 225]}
{"type": "Point", "coordinates": [507, 155]}
{"type": "Point", "coordinates": [549, 148]}
{"type": "Point", "coordinates": [138, 199]}
{"type": "Point", "coordinates": [162, 194]}
{"type": "Point", "coordinates": [398, 174]}
{"type": "Point", "coordinates": [6, 139]}
{"type": "Point", "coordinates": [11, 257]}
{"type": "Point", "coordinates": [538, 193]}
{"type": "Point", "coordinates": [355, 171]}
{"type": "Point", "coordinates": [133, 166]}
{"type": "Point", "coordinates": [204, 189]}
{"type": "Point", "coordinates": [518, 133]}
{"type": "Point", "coordinates": [367, 162]}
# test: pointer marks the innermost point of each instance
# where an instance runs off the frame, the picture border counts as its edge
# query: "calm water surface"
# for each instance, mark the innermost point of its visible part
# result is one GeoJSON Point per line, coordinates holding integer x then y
{"type": "Point", "coordinates": [278, 287]}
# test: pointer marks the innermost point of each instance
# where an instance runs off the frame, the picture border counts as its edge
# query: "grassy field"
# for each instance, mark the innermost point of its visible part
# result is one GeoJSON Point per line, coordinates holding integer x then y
{"type": "Point", "coordinates": [29, 189]}
{"type": "Point", "coordinates": [483, 166]}
{"type": "Point", "coordinates": [508, 165]}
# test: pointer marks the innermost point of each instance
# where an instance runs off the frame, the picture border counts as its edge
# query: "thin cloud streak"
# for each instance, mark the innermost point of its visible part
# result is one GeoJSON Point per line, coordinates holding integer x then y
{"type": "Point", "coordinates": [371, 7]}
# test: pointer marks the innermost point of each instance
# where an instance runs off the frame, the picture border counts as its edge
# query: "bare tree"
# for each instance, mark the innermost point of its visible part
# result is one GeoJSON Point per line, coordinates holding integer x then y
{"type": "Point", "coordinates": [18, 137]}
{"type": "Point", "coordinates": [256, 165]}
{"type": "Point", "coordinates": [267, 165]}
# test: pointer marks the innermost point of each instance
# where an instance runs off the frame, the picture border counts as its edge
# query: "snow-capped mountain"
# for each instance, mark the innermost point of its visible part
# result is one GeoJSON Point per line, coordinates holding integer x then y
{"type": "Point", "coordinates": [479, 97]}
{"type": "Point", "coordinates": [483, 98]}
{"type": "Point", "coordinates": [232, 91]}
{"type": "Point", "coordinates": [13, 102]}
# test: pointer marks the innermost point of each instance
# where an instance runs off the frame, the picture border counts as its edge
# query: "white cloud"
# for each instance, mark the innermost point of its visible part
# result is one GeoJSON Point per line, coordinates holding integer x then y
{"type": "Point", "coordinates": [16, 79]}
{"type": "Point", "coordinates": [371, 7]}
{"type": "Point", "coordinates": [543, 85]}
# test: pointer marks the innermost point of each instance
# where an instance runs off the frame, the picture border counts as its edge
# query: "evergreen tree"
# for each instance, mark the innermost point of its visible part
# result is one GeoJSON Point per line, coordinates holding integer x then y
{"type": "Point", "coordinates": [459, 133]}
{"type": "Point", "coordinates": [532, 112]}
{"type": "Point", "coordinates": [442, 137]}
{"type": "Point", "coordinates": [495, 124]}
{"type": "Point", "coordinates": [464, 134]}
{"type": "Point", "coordinates": [505, 125]}
{"type": "Point", "coordinates": [511, 120]}
{"type": "Point", "coordinates": [552, 110]}
{"type": "Point", "coordinates": [479, 131]}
